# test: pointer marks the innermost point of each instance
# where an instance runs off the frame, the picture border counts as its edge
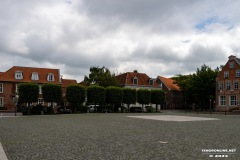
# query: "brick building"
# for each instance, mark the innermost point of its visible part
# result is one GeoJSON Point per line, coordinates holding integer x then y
{"type": "Point", "coordinates": [137, 80]}
{"type": "Point", "coordinates": [227, 85]}
{"type": "Point", "coordinates": [10, 79]}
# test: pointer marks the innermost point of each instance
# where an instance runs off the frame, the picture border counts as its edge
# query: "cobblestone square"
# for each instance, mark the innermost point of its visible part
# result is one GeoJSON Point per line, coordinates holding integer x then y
{"type": "Point", "coordinates": [117, 136]}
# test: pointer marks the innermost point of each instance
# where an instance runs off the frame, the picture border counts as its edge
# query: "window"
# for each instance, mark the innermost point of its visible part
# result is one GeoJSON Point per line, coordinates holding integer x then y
{"type": "Point", "coordinates": [233, 100]}
{"type": "Point", "coordinates": [1, 101]}
{"type": "Point", "coordinates": [40, 101]}
{"type": "Point", "coordinates": [222, 100]}
{"type": "Point", "coordinates": [1, 87]}
{"type": "Point", "coordinates": [235, 85]}
{"type": "Point", "coordinates": [220, 85]}
{"type": "Point", "coordinates": [135, 80]}
{"type": "Point", "coordinates": [50, 77]}
{"type": "Point", "coordinates": [228, 85]}
{"type": "Point", "coordinates": [237, 73]}
{"type": "Point", "coordinates": [18, 75]}
{"type": "Point", "coordinates": [231, 64]}
{"type": "Point", "coordinates": [151, 82]}
{"type": "Point", "coordinates": [35, 76]}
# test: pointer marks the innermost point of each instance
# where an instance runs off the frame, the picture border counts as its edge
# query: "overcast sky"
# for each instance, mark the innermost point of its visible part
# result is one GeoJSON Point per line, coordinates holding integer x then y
{"type": "Point", "coordinates": [156, 37]}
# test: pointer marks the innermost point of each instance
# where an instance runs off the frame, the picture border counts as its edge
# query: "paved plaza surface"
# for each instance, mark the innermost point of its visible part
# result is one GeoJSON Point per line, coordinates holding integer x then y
{"type": "Point", "coordinates": [117, 136]}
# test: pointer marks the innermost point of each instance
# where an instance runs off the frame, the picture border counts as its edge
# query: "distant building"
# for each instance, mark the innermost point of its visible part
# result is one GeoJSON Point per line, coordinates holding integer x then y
{"type": "Point", "coordinates": [227, 85]}
{"type": "Point", "coordinates": [137, 80]}
{"type": "Point", "coordinates": [10, 80]}
{"type": "Point", "coordinates": [174, 97]}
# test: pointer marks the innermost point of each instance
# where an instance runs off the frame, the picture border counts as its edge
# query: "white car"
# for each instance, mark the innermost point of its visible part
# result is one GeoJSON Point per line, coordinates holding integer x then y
{"type": "Point", "coordinates": [92, 108]}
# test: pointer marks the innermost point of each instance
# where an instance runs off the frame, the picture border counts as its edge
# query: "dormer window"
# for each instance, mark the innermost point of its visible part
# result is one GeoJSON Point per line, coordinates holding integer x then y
{"type": "Point", "coordinates": [135, 80]}
{"type": "Point", "coordinates": [18, 75]}
{"type": "Point", "coordinates": [231, 65]}
{"type": "Point", "coordinates": [35, 76]}
{"type": "Point", "coordinates": [151, 82]}
{"type": "Point", "coordinates": [50, 77]}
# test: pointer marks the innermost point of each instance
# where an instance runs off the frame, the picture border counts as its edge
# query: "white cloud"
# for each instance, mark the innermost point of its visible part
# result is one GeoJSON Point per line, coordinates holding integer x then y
{"type": "Point", "coordinates": [156, 37]}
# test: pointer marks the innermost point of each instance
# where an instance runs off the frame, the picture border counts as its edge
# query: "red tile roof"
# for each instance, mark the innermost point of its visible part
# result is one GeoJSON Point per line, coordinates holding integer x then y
{"type": "Point", "coordinates": [1, 73]}
{"type": "Point", "coordinates": [67, 82]}
{"type": "Point", "coordinates": [27, 73]}
{"type": "Point", "coordinates": [127, 79]}
{"type": "Point", "coordinates": [169, 83]}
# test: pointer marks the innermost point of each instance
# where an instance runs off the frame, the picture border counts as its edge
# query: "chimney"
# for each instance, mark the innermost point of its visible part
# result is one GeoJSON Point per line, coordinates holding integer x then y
{"type": "Point", "coordinates": [135, 71]}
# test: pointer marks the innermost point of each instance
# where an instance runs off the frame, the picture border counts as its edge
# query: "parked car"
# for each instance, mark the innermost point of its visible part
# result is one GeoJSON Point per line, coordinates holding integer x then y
{"type": "Point", "coordinates": [92, 108]}
{"type": "Point", "coordinates": [106, 111]}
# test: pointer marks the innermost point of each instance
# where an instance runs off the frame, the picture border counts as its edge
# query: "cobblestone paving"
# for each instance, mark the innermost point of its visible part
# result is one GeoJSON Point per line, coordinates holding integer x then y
{"type": "Point", "coordinates": [116, 137]}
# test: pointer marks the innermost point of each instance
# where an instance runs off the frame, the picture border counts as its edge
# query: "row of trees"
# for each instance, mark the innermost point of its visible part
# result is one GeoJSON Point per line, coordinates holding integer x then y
{"type": "Point", "coordinates": [199, 87]}
{"type": "Point", "coordinates": [113, 95]}
{"type": "Point", "coordinates": [76, 95]}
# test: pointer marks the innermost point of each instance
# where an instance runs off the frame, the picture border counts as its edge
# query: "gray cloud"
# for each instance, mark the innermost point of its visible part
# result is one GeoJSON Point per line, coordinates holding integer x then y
{"type": "Point", "coordinates": [157, 37]}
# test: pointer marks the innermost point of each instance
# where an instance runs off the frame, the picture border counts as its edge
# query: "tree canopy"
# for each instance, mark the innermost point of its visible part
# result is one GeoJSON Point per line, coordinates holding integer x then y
{"type": "Point", "coordinates": [101, 76]}
{"type": "Point", "coordinates": [199, 87]}
{"type": "Point", "coordinates": [75, 94]}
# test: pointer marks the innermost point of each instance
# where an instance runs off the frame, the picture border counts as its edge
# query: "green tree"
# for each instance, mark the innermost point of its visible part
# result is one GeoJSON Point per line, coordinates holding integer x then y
{"type": "Point", "coordinates": [114, 96]}
{"type": "Point", "coordinates": [52, 93]}
{"type": "Point", "coordinates": [143, 97]}
{"type": "Point", "coordinates": [129, 97]}
{"type": "Point", "coordinates": [75, 95]}
{"type": "Point", "coordinates": [101, 77]}
{"type": "Point", "coordinates": [158, 97]}
{"type": "Point", "coordinates": [96, 94]}
{"type": "Point", "coordinates": [28, 93]}
{"type": "Point", "coordinates": [199, 87]}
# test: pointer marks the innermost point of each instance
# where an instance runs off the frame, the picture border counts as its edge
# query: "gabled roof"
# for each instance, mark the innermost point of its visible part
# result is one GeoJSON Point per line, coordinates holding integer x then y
{"type": "Point", "coordinates": [1, 73]}
{"type": "Point", "coordinates": [67, 82]}
{"type": "Point", "coordinates": [169, 83]}
{"type": "Point", "coordinates": [127, 79]}
{"type": "Point", "coordinates": [27, 73]}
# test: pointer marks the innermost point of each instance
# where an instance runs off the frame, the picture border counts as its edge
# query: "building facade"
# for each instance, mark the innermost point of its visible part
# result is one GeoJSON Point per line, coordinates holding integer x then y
{"type": "Point", "coordinates": [228, 85]}
{"type": "Point", "coordinates": [174, 97]}
{"type": "Point", "coordinates": [10, 80]}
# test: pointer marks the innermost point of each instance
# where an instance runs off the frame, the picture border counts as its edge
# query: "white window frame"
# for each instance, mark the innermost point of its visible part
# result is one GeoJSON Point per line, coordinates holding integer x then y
{"type": "Point", "coordinates": [231, 65]}
{"type": "Point", "coordinates": [1, 102]}
{"type": "Point", "coordinates": [222, 100]}
{"type": "Point", "coordinates": [35, 76]}
{"type": "Point", "coordinates": [1, 87]}
{"type": "Point", "coordinates": [50, 77]}
{"type": "Point", "coordinates": [237, 73]}
{"type": "Point", "coordinates": [235, 85]}
{"type": "Point", "coordinates": [18, 75]}
{"type": "Point", "coordinates": [40, 101]}
{"type": "Point", "coordinates": [233, 102]}
{"type": "Point", "coordinates": [135, 79]}
{"type": "Point", "coordinates": [226, 74]}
